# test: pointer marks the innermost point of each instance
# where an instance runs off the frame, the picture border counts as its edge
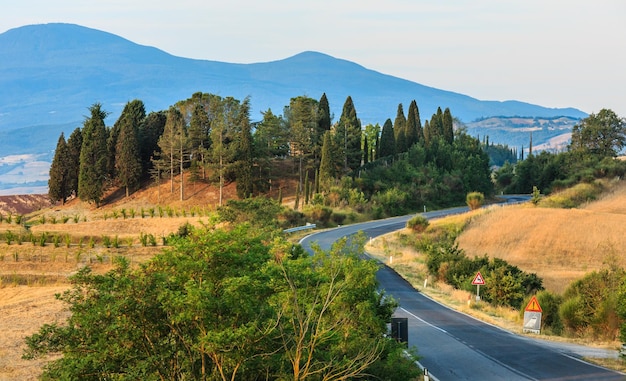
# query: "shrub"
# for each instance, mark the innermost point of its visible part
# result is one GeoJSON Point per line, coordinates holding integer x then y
{"type": "Point", "coordinates": [475, 200]}
{"type": "Point", "coordinates": [418, 223]}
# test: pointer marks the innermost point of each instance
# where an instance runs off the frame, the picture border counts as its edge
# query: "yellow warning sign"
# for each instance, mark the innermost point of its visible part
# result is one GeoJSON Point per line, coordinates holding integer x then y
{"type": "Point", "coordinates": [533, 305]}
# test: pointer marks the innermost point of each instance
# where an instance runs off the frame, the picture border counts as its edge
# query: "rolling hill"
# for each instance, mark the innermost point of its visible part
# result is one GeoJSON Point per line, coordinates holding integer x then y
{"type": "Point", "coordinates": [51, 73]}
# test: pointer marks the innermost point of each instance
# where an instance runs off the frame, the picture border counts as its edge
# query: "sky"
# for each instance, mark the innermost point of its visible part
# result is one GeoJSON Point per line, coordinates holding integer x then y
{"type": "Point", "coordinates": [554, 53]}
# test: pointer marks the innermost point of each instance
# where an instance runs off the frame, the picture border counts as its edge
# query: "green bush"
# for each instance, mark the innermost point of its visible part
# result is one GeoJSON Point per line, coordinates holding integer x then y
{"type": "Point", "coordinates": [418, 223]}
{"type": "Point", "coordinates": [475, 200]}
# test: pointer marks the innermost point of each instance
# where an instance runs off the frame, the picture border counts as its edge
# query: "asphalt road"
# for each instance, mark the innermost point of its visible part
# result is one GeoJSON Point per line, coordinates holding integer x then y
{"type": "Point", "coordinates": [454, 346]}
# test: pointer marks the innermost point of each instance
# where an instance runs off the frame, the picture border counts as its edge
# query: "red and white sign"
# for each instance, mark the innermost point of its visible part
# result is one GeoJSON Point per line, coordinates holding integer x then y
{"type": "Point", "coordinates": [533, 305]}
{"type": "Point", "coordinates": [478, 279]}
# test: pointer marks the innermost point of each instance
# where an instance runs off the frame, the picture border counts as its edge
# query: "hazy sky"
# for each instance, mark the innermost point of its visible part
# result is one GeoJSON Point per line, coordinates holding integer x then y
{"type": "Point", "coordinates": [555, 53]}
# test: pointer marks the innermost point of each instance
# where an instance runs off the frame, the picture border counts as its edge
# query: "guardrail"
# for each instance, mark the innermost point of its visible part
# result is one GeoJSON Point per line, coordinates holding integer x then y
{"type": "Point", "coordinates": [299, 228]}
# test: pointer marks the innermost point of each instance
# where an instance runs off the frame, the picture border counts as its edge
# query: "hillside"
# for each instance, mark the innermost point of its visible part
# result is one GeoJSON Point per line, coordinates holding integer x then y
{"type": "Point", "coordinates": [560, 245]}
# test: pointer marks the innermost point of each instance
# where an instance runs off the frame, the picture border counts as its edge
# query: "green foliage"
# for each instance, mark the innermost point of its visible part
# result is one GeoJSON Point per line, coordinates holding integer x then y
{"type": "Point", "coordinates": [602, 134]}
{"type": "Point", "coordinates": [93, 157]}
{"type": "Point", "coordinates": [590, 305]}
{"type": "Point", "coordinates": [226, 305]}
{"type": "Point", "coordinates": [474, 200]}
{"type": "Point", "coordinates": [58, 182]}
{"type": "Point", "coordinates": [387, 140]}
{"type": "Point", "coordinates": [550, 304]}
{"type": "Point", "coordinates": [261, 212]}
{"type": "Point", "coordinates": [418, 223]}
{"type": "Point", "coordinates": [128, 166]}
{"type": "Point", "coordinates": [536, 197]}
{"type": "Point", "coordinates": [506, 285]}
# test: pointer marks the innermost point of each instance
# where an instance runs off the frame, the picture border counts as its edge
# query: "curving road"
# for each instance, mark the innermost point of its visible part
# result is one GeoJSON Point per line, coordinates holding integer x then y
{"type": "Point", "coordinates": [454, 346]}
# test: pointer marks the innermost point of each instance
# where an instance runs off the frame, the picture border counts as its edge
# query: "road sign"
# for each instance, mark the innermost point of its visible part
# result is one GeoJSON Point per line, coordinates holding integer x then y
{"type": "Point", "coordinates": [533, 305]}
{"type": "Point", "coordinates": [478, 279]}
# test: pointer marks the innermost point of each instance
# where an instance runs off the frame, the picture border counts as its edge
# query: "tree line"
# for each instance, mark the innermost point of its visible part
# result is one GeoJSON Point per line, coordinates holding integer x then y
{"type": "Point", "coordinates": [213, 139]}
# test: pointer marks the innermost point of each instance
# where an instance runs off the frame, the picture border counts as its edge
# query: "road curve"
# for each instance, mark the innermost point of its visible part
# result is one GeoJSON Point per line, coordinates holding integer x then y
{"type": "Point", "coordinates": [454, 346]}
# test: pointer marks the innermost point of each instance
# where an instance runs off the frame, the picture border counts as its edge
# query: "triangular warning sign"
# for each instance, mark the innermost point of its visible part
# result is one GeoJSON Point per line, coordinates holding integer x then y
{"type": "Point", "coordinates": [533, 305]}
{"type": "Point", "coordinates": [478, 279]}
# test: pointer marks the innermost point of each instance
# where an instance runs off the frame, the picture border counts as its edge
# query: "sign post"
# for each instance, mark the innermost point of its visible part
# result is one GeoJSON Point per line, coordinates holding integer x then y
{"type": "Point", "coordinates": [478, 281]}
{"type": "Point", "coordinates": [532, 316]}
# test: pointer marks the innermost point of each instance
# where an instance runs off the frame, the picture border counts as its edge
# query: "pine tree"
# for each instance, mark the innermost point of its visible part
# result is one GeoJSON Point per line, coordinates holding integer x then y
{"type": "Point", "coordinates": [93, 157]}
{"type": "Point", "coordinates": [387, 140]}
{"type": "Point", "coordinates": [245, 154]}
{"type": "Point", "coordinates": [59, 177]}
{"type": "Point", "coordinates": [199, 131]}
{"type": "Point", "coordinates": [150, 131]}
{"type": "Point", "coordinates": [127, 152]}
{"type": "Point", "coordinates": [171, 140]}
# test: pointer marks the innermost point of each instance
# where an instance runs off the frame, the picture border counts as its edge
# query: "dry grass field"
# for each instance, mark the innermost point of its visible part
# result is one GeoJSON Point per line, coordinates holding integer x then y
{"type": "Point", "coordinates": [559, 245]}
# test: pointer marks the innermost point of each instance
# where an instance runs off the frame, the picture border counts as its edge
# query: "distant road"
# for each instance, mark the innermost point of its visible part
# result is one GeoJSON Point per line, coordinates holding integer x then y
{"type": "Point", "coordinates": [454, 346]}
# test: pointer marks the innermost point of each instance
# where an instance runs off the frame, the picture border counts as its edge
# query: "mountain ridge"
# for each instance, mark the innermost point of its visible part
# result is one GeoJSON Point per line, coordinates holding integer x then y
{"type": "Point", "coordinates": [51, 73]}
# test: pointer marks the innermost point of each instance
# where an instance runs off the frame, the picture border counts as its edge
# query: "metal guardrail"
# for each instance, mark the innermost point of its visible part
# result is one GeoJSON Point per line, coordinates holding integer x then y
{"type": "Point", "coordinates": [299, 228]}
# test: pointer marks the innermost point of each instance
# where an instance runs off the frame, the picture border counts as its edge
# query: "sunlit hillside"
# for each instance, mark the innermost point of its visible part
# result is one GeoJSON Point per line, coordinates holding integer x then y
{"type": "Point", "coordinates": [560, 245]}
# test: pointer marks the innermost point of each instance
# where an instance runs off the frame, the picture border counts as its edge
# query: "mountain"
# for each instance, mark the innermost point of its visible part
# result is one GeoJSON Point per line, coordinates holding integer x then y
{"type": "Point", "coordinates": [51, 73]}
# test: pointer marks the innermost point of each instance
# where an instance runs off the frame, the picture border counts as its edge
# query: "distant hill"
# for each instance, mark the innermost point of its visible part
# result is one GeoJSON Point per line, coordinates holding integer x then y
{"type": "Point", "coordinates": [51, 73]}
{"type": "Point", "coordinates": [547, 133]}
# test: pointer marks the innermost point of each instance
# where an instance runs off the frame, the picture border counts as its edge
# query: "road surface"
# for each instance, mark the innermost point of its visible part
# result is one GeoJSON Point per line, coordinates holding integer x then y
{"type": "Point", "coordinates": [454, 346]}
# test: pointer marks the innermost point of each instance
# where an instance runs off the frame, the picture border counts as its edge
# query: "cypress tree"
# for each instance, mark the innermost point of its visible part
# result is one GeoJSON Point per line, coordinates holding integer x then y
{"type": "Point", "coordinates": [447, 126]}
{"type": "Point", "coordinates": [399, 126]}
{"type": "Point", "coordinates": [58, 181]}
{"type": "Point", "coordinates": [323, 125]}
{"type": "Point", "coordinates": [414, 133]}
{"type": "Point", "coordinates": [74, 145]}
{"type": "Point", "coordinates": [93, 157]}
{"type": "Point", "coordinates": [387, 140]}
{"type": "Point", "coordinates": [128, 156]}
{"type": "Point", "coordinates": [348, 137]}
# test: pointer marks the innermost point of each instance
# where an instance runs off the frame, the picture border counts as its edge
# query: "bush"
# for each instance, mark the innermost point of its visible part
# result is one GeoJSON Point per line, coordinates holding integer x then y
{"type": "Point", "coordinates": [418, 223]}
{"type": "Point", "coordinates": [475, 200]}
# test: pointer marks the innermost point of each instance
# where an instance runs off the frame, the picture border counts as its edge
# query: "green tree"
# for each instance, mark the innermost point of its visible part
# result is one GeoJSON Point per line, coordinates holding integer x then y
{"type": "Point", "coordinates": [224, 120]}
{"type": "Point", "coordinates": [324, 120]}
{"type": "Point", "coordinates": [387, 140]}
{"type": "Point", "coordinates": [399, 129]}
{"type": "Point", "coordinates": [93, 157]}
{"type": "Point", "coordinates": [74, 145]}
{"type": "Point", "coordinates": [199, 132]}
{"type": "Point", "coordinates": [447, 125]}
{"type": "Point", "coordinates": [173, 145]}
{"type": "Point", "coordinates": [245, 151]}
{"type": "Point", "coordinates": [414, 133]}
{"type": "Point", "coordinates": [602, 134]}
{"type": "Point", "coordinates": [302, 117]}
{"type": "Point", "coordinates": [58, 183]}
{"type": "Point", "coordinates": [128, 155]}
{"type": "Point", "coordinates": [226, 305]}
{"type": "Point", "coordinates": [150, 131]}
{"type": "Point", "coordinates": [348, 138]}
{"type": "Point", "coordinates": [327, 168]}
